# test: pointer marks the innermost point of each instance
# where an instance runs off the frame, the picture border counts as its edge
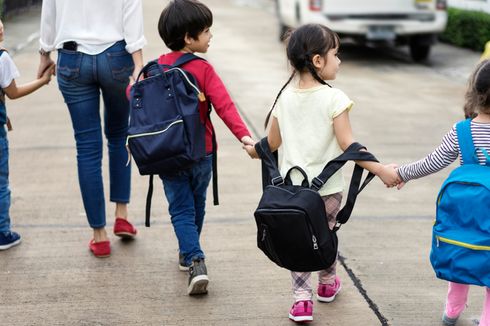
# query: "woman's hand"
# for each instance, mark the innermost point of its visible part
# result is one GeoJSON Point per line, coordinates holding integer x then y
{"type": "Point", "coordinates": [45, 63]}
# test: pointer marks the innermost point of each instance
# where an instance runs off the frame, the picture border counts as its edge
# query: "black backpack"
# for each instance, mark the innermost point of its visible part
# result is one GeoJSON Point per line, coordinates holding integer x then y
{"type": "Point", "coordinates": [166, 134]}
{"type": "Point", "coordinates": [292, 226]}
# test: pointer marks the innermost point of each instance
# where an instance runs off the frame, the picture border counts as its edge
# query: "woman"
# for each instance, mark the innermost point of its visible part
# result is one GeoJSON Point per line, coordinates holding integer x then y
{"type": "Point", "coordinates": [99, 46]}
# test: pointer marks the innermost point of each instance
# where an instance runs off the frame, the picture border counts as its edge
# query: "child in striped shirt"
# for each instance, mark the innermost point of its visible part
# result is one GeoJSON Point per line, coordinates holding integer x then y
{"type": "Point", "coordinates": [477, 108]}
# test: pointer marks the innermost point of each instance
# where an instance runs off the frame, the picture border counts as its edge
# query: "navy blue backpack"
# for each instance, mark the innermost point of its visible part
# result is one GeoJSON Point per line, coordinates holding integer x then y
{"type": "Point", "coordinates": [461, 233]}
{"type": "Point", "coordinates": [166, 134]}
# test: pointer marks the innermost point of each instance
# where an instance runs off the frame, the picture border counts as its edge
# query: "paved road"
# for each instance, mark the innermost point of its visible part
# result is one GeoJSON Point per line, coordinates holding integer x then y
{"type": "Point", "coordinates": [402, 110]}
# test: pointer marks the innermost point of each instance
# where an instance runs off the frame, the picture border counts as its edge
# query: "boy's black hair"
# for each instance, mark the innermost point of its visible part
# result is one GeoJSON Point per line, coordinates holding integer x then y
{"type": "Point", "coordinates": [181, 17]}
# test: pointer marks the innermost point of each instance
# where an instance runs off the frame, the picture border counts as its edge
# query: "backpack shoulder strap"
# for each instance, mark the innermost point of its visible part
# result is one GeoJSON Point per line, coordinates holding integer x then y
{"type": "Point", "coordinates": [352, 153]}
{"type": "Point", "coordinates": [270, 172]}
{"type": "Point", "coordinates": [465, 141]}
{"type": "Point", "coordinates": [185, 58]}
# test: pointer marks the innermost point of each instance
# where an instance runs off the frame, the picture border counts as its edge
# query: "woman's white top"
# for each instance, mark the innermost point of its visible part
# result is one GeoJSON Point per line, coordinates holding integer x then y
{"type": "Point", "coordinates": [94, 24]}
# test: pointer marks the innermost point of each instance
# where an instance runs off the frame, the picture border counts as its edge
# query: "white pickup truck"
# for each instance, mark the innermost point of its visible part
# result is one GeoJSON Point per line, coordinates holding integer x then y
{"type": "Point", "coordinates": [398, 22]}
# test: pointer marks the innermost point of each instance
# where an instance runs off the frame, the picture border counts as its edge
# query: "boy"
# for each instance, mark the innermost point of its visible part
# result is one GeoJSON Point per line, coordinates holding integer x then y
{"type": "Point", "coordinates": [8, 73]}
{"type": "Point", "coordinates": [186, 191]}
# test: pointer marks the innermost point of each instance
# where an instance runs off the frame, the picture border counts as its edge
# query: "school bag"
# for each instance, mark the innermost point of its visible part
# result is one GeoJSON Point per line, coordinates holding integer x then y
{"type": "Point", "coordinates": [166, 134]}
{"type": "Point", "coordinates": [292, 226]}
{"type": "Point", "coordinates": [461, 233]}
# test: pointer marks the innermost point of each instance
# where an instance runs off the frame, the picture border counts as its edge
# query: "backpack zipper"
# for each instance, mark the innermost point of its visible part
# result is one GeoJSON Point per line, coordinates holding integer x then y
{"type": "Point", "coordinates": [153, 132]}
{"type": "Point", "coordinates": [147, 134]}
{"type": "Point", "coordinates": [461, 244]}
{"type": "Point", "coordinates": [308, 223]}
{"type": "Point", "coordinates": [200, 95]}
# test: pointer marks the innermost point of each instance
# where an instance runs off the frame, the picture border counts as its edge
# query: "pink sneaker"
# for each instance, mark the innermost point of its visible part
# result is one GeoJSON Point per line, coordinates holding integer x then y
{"type": "Point", "coordinates": [327, 292]}
{"type": "Point", "coordinates": [302, 311]}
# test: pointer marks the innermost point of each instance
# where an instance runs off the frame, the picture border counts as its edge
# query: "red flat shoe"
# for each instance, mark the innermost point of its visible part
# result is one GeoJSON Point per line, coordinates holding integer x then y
{"type": "Point", "coordinates": [124, 229]}
{"type": "Point", "coordinates": [100, 249]}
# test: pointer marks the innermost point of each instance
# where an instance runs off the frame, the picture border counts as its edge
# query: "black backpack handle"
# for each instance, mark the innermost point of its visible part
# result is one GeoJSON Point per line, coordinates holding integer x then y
{"type": "Point", "coordinates": [287, 178]}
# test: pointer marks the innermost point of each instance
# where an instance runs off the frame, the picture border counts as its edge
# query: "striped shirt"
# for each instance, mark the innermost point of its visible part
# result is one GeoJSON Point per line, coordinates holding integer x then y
{"type": "Point", "coordinates": [447, 153]}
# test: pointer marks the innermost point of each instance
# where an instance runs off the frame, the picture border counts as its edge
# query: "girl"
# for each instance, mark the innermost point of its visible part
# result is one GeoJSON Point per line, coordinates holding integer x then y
{"type": "Point", "coordinates": [311, 120]}
{"type": "Point", "coordinates": [477, 107]}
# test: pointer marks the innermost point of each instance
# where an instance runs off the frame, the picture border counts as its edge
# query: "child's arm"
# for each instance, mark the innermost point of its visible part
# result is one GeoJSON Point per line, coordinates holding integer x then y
{"type": "Point", "coordinates": [441, 157]}
{"type": "Point", "coordinates": [343, 133]}
{"type": "Point", "coordinates": [223, 105]}
{"type": "Point", "coordinates": [13, 91]}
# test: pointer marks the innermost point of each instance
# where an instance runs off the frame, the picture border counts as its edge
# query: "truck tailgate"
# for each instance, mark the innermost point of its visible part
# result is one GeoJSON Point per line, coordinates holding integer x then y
{"type": "Point", "coordinates": [356, 7]}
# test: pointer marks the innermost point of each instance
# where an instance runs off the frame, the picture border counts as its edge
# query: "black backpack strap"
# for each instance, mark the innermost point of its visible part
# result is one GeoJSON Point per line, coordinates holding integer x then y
{"type": "Point", "coordinates": [148, 201]}
{"type": "Point", "coordinates": [270, 172]}
{"type": "Point", "coordinates": [353, 153]}
{"type": "Point", "coordinates": [215, 158]}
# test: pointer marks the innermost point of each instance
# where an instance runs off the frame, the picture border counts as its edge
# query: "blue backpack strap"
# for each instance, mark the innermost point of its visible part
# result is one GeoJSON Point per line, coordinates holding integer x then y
{"type": "Point", "coordinates": [185, 58]}
{"type": "Point", "coordinates": [465, 140]}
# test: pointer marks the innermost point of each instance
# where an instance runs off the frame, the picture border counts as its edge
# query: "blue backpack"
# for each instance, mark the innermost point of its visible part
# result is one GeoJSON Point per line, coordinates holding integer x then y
{"type": "Point", "coordinates": [461, 233]}
{"type": "Point", "coordinates": [166, 134]}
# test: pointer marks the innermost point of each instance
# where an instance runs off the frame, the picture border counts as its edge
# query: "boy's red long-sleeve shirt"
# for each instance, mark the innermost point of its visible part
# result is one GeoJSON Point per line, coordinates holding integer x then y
{"type": "Point", "coordinates": [211, 85]}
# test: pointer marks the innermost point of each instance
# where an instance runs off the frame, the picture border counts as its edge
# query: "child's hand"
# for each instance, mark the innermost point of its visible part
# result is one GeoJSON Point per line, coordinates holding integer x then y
{"type": "Point", "coordinates": [48, 73]}
{"type": "Point", "coordinates": [389, 176]}
{"type": "Point", "coordinates": [402, 183]}
{"type": "Point", "coordinates": [250, 149]}
{"type": "Point", "coordinates": [247, 140]}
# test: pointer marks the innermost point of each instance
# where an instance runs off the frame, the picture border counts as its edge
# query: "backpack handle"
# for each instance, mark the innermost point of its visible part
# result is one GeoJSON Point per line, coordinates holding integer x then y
{"type": "Point", "coordinates": [287, 179]}
{"type": "Point", "coordinates": [152, 65]}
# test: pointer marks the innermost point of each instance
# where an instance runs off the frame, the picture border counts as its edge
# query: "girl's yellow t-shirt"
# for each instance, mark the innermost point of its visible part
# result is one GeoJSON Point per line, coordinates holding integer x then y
{"type": "Point", "coordinates": [305, 118]}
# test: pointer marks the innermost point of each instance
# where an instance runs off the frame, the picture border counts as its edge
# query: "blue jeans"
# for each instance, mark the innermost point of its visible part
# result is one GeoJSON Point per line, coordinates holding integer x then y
{"type": "Point", "coordinates": [81, 79]}
{"type": "Point", "coordinates": [186, 196]}
{"type": "Point", "coordinates": [4, 185]}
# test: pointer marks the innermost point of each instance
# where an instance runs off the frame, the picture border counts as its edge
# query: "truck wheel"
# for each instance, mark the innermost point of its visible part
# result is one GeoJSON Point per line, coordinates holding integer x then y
{"type": "Point", "coordinates": [419, 52]}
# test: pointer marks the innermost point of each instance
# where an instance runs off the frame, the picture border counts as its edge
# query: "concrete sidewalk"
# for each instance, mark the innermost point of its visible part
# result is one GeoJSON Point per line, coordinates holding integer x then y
{"type": "Point", "coordinates": [52, 279]}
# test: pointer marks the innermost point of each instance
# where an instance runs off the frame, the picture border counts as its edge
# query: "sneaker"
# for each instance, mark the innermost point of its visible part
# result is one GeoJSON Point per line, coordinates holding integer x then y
{"type": "Point", "coordinates": [182, 266]}
{"type": "Point", "coordinates": [124, 229]}
{"type": "Point", "coordinates": [448, 321]}
{"type": "Point", "coordinates": [198, 278]}
{"type": "Point", "coordinates": [302, 311]}
{"type": "Point", "coordinates": [9, 239]}
{"type": "Point", "coordinates": [327, 292]}
{"type": "Point", "coordinates": [100, 249]}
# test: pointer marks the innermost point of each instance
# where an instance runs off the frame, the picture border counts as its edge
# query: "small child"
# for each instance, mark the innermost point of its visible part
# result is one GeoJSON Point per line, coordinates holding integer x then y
{"type": "Point", "coordinates": [477, 107]}
{"type": "Point", "coordinates": [310, 121]}
{"type": "Point", "coordinates": [184, 27]}
{"type": "Point", "coordinates": [8, 73]}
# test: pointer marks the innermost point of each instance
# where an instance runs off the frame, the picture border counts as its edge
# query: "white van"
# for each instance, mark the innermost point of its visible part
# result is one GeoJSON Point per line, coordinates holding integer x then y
{"type": "Point", "coordinates": [399, 22]}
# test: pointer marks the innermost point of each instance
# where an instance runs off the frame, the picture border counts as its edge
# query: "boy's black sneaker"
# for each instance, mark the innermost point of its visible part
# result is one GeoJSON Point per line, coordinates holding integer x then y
{"type": "Point", "coordinates": [9, 239]}
{"type": "Point", "coordinates": [198, 278]}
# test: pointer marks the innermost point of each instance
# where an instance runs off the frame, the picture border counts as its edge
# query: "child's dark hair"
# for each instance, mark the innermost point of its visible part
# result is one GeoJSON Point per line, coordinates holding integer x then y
{"type": "Point", "coordinates": [478, 93]}
{"type": "Point", "coordinates": [181, 17]}
{"type": "Point", "coordinates": [302, 45]}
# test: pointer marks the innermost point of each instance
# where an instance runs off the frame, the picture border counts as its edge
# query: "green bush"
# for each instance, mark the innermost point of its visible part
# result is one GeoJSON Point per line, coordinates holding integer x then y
{"type": "Point", "coordinates": [467, 28]}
